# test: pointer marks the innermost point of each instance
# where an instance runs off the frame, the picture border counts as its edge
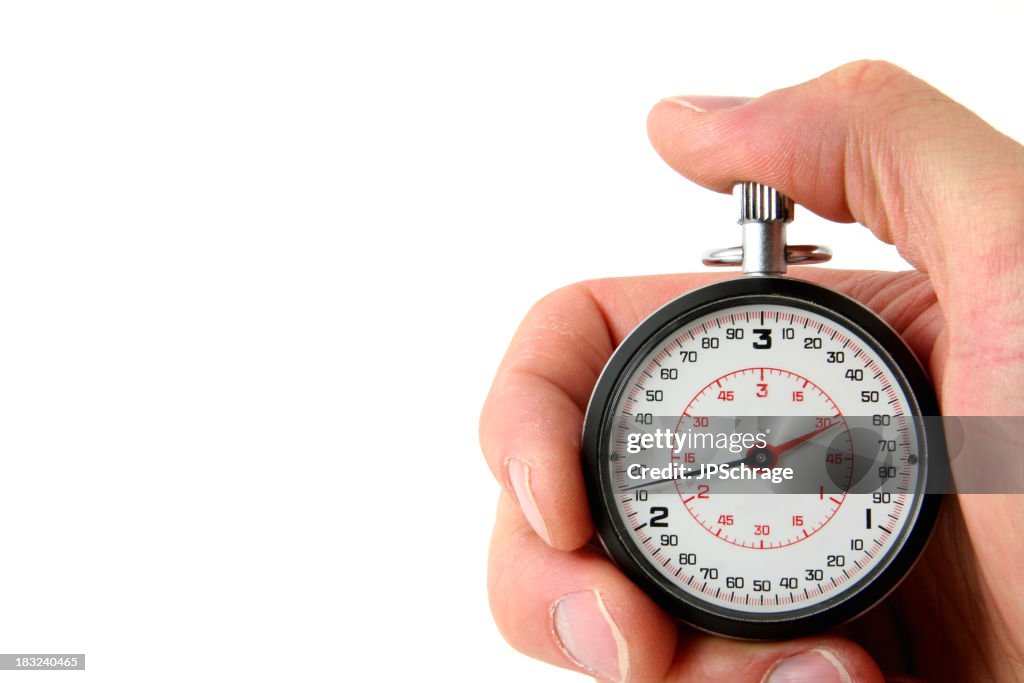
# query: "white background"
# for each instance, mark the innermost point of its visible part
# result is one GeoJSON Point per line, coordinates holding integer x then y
{"type": "Point", "coordinates": [259, 261]}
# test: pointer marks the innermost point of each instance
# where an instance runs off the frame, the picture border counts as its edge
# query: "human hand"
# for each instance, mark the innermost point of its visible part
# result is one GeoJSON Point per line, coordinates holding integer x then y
{"type": "Point", "coordinates": [868, 143]}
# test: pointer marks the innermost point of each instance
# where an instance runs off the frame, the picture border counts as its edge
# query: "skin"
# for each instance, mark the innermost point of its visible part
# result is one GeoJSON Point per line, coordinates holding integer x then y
{"type": "Point", "coordinates": [870, 143]}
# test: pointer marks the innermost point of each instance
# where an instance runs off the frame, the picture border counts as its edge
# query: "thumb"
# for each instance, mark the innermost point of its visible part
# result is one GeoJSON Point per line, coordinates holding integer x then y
{"type": "Point", "coordinates": [823, 659]}
{"type": "Point", "coordinates": [871, 143]}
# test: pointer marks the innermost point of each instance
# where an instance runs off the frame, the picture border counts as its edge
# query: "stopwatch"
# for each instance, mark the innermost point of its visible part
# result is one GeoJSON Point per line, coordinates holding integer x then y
{"type": "Point", "coordinates": [757, 453]}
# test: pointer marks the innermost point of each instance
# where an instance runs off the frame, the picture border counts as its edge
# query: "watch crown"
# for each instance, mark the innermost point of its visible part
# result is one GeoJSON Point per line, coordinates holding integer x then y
{"type": "Point", "coordinates": [764, 212]}
{"type": "Point", "coordinates": [762, 204]}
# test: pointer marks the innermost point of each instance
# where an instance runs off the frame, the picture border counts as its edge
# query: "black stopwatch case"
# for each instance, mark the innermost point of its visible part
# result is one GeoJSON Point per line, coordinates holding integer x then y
{"type": "Point", "coordinates": [613, 532]}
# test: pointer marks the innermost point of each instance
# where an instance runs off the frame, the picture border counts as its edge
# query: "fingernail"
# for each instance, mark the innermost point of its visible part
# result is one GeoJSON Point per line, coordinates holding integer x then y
{"type": "Point", "coordinates": [587, 635]}
{"type": "Point", "coordinates": [704, 103]}
{"type": "Point", "coordinates": [519, 477]}
{"type": "Point", "coordinates": [820, 666]}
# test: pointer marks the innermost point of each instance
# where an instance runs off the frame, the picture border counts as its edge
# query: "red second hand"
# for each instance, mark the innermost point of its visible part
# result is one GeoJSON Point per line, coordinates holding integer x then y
{"type": "Point", "coordinates": [776, 451]}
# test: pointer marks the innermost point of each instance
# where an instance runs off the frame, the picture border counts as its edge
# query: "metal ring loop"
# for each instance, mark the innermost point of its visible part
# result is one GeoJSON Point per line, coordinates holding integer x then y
{"type": "Point", "coordinates": [807, 253]}
{"type": "Point", "coordinates": [730, 256]}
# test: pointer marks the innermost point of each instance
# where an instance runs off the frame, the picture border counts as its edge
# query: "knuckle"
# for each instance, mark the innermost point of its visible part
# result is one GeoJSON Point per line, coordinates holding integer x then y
{"type": "Point", "coordinates": [547, 320]}
{"type": "Point", "coordinates": [553, 325]}
{"type": "Point", "coordinates": [556, 301]}
{"type": "Point", "coordinates": [548, 315]}
{"type": "Point", "coordinates": [885, 95]}
{"type": "Point", "coordinates": [870, 77]}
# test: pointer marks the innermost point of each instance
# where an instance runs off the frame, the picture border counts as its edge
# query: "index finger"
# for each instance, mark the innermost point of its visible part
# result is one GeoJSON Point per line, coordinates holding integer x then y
{"type": "Point", "coordinates": [531, 421]}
